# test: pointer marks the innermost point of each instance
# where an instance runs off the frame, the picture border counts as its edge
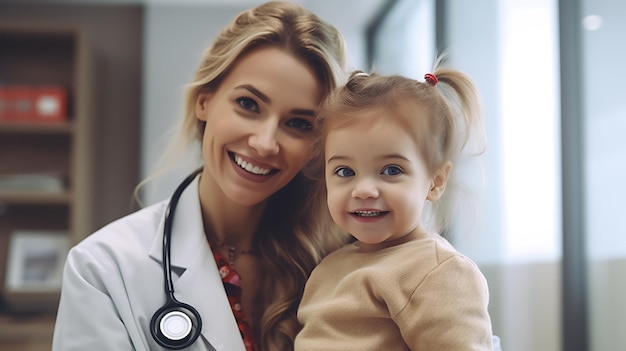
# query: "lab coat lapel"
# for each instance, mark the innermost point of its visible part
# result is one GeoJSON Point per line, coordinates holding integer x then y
{"type": "Point", "coordinates": [200, 285]}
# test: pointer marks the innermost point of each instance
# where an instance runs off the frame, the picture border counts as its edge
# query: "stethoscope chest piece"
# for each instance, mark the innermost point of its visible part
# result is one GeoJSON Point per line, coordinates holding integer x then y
{"type": "Point", "coordinates": [176, 325]}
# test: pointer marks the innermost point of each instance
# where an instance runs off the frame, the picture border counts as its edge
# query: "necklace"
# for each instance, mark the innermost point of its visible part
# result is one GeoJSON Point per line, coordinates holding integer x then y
{"type": "Point", "coordinates": [232, 251]}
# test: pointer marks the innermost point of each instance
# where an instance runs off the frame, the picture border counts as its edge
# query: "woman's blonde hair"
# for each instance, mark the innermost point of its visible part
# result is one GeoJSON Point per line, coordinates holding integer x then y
{"type": "Point", "coordinates": [442, 114]}
{"type": "Point", "coordinates": [290, 241]}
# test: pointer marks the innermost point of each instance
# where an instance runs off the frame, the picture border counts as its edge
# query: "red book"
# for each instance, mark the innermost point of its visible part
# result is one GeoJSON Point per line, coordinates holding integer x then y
{"type": "Point", "coordinates": [21, 103]}
{"type": "Point", "coordinates": [4, 103]}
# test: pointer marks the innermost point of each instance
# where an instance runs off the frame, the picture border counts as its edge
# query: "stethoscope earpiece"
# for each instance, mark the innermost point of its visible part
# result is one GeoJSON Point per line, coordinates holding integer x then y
{"type": "Point", "coordinates": [176, 325]}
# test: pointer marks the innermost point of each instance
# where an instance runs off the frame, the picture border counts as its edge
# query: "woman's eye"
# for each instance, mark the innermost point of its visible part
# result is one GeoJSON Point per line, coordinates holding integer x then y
{"type": "Point", "coordinates": [344, 172]}
{"type": "Point", "coordinates": [300, 124]}
{"type": "Point", "coordinates": [247, 104]}
{"type": "Point", "coordinates": [391, 170]}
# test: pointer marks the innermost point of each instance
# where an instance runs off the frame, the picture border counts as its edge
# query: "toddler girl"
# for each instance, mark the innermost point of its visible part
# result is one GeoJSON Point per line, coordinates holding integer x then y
{"type": "Point", "coordinates": [388, 146]}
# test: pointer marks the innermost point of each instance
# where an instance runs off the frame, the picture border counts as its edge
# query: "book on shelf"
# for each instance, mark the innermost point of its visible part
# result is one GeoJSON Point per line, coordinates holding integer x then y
{"type": "Point", "coordinates": [33, 272]}
{"type": "Point", "coordinates": [26, 103]}
{"type": "Point", "coordinates": [32, 182]}
{"type": "Point", "coordinates": [35, 260]}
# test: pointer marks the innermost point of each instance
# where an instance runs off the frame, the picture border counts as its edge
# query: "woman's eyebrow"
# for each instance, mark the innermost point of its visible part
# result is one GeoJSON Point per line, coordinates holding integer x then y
{"type": "Point", "coordinates": [255, 92]}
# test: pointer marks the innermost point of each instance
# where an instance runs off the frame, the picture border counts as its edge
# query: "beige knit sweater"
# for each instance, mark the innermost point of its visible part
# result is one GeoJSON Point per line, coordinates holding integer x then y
{"type": "Point", "coordinates": [420, 294]}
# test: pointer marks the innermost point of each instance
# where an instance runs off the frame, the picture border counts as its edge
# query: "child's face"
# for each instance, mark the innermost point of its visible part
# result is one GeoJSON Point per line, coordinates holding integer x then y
{"type": "Point", "coordinates": [376, 179]}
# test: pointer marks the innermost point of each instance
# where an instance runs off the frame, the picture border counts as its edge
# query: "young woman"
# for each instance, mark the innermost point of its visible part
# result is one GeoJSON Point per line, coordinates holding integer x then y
{"type": "Point", "coordinates": [388, 146]}
{"type": "Point", "coordinates": [222, 265]}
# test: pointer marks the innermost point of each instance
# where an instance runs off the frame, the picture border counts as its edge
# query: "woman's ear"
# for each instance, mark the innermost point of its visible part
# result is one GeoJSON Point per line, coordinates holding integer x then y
{"type": "Point", "coordinates": [439, 181]}
{"type": "Point", "coordinates": [201, 109]}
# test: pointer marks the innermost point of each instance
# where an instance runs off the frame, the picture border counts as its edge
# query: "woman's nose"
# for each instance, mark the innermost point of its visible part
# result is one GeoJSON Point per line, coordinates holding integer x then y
{"type": "Point", "coordinates": [263, 139]}
{"type": "Point", "coordinates": [365, 188]}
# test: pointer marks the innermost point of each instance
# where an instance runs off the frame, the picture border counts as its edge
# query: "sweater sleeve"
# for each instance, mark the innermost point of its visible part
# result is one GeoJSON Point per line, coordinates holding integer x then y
{"type": "Point", "coordinates": [448, 309]}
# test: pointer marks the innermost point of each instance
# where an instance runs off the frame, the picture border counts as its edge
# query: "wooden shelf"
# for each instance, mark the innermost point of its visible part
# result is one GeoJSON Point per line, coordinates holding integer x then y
{"type": "Point", "coordinates": [35, 198]}
{"type": "Point", "coordinates": [36, 128]}
{"type": "Point", "coordinates": [36, 54]}
{"type": "Point", "coordinates": [35, 328]}
{"type": "Point", "coordinates": [26, 327]}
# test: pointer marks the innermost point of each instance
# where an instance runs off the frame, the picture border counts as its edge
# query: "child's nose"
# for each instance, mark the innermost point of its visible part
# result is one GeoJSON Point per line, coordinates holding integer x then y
{"type": "Point", "coordinates": [365, 188]}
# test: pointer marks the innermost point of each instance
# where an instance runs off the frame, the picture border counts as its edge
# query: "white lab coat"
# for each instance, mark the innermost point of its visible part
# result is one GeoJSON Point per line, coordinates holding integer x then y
{"type": "Point", "coordinates": [113, 283]}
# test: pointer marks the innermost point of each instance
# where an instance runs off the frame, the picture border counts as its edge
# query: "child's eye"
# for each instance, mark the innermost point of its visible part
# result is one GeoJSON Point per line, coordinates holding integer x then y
{"type": "Point", "coordinates": [391, 170]}
{"type": "Point", "coordinates": [344, 172]}
{"type": "Point", "coordinates": [247, 103]}
{"type": "Point", "coordinates": [300, 124]}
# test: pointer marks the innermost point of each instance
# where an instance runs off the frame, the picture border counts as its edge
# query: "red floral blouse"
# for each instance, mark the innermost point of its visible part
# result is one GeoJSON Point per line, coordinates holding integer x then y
{"type": "Point", "coordinates": [232, 286]}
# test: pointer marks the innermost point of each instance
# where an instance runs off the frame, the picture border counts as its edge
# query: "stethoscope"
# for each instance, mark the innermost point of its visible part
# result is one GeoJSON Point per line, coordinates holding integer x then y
{"type": "Point", "coordinates": [176, 325]}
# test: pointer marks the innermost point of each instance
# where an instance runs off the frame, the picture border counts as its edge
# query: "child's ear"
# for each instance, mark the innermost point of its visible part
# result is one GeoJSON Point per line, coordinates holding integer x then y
{"type": "Point", "coordinates": [439, 181]}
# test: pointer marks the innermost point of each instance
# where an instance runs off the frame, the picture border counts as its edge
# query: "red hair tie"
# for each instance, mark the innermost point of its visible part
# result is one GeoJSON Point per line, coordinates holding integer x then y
{"type": "Point", "coordinates": [431, 79]}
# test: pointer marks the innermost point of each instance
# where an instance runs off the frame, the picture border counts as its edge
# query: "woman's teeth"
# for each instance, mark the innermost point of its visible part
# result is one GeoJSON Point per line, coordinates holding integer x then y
{"type": "Point", "coordinates": [251, 168]}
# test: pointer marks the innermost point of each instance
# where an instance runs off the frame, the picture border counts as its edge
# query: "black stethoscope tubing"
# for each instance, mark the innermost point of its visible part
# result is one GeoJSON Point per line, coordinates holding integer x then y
{"type": "Point", "coordinates": [173, 308]}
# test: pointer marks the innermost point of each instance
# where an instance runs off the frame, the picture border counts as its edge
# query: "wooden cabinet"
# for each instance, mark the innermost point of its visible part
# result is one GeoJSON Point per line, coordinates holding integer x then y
{"type": "Point", "coordinates": [34, 55]}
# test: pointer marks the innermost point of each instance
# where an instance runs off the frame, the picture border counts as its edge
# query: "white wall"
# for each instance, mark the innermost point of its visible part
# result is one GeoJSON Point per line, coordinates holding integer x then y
{"type": "Point", "coordinates": [510, 49]}
{"type": "Point", "coordinates": [605, 159]}
{"type": "Point", "coordinates": [174, 38]}
{"type": "Point", "coordinates": [605, 126]}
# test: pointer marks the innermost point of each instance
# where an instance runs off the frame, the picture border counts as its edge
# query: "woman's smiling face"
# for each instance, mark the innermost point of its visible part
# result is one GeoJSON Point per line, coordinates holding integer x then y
{"type": "Point", "coordinates": [259, 122]}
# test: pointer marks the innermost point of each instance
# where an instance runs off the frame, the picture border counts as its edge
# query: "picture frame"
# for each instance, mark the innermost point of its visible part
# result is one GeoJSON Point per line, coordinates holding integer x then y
{"type": "Point", "coordinates": [35, 261]}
